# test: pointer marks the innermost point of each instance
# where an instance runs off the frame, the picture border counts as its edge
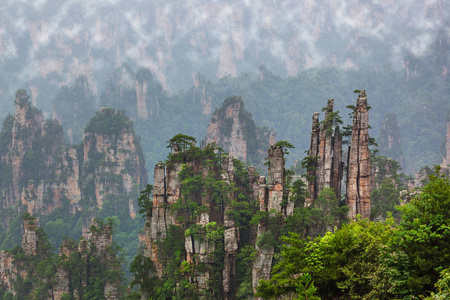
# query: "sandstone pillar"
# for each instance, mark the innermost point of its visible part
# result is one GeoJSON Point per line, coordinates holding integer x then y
{"type": "Point", "coordinates": [358, 172]}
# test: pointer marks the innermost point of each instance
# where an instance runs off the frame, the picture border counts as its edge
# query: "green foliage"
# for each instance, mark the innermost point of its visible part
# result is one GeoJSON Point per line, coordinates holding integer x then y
{"type": "Point", "coordinates": [181, 140]}
{"type": "Point", "coordinates": [442, 287]}
{"type": "Point", "coordinates": [424, 233]}
{"type": "Point", "coordinates": [341, 264]}
{"type": "Point", "coordinates": [306, 289]}
{"type": "Point", "coordinates": [145, 201]}
{"type": "Point", "coordinates": [75, 105]}
{"type": "Point", "coordinates": [285, 145]}
{"type": "Point", "coordinates": [22, 97]}
{"type": "Point", "coordinates": [106, 121]}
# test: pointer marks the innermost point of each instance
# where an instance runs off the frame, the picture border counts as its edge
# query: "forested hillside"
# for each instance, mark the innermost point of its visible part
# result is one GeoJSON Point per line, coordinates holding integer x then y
{"type": "Point", "coordinates": [418, 98]}
{"type": "Point", "coordinates": [196, 149]}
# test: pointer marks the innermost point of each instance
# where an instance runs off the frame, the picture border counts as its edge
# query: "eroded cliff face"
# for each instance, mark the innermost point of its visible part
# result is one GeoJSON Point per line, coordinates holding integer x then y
{"type": "Point", "coordinates": [88, 255]}
{"type": "Point", "coordinates": [138, 93]}
{"type": "Point", "coordinates": [41, 174]}
{"type": "Point", "coordinates": [274, 201]}
{"type": "Point", "coordinates": [325, 169]}
{"type": "Point", "coordinates": [233, 129]}
{"type": "Point", "coordinates": [358, 168]}
{"type": "Point", "coordinates": [194, 193]}
{"type": "Point", "coordinates": [113, 165]}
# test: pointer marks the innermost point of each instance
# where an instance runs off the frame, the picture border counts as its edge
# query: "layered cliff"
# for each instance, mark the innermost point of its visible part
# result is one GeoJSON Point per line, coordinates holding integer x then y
{"type": "Point", "coordinates": [233, 129]}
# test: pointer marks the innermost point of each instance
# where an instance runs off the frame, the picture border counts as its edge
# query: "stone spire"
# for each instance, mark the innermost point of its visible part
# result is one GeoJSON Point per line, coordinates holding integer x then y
{"type": "Point", "coordinates": [358, 169]}
{"type": "Point", "coordinates": [270, 199]}
{"type": "Point", "coordinates": [326, 154]}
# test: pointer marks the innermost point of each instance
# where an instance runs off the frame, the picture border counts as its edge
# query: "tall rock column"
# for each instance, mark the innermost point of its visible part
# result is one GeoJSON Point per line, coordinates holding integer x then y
{"type": "Point", "coordinates": [156, 230]}
{"type": "Point", "coordinates": [327, 132]}
{"type": "Point", "coordinates": [313, 152]}
{"type": "Point", "coordinates": [270, 199]}
{"type": "Point", "coordinates": [231, 236]}
{"type": "Point", "coordinates": [325, 152]}
{"type": "Point", "coordinates": [358, 172]}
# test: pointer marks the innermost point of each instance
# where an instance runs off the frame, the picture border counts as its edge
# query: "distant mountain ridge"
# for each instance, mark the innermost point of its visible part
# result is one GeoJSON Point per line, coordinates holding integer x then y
{"type": "Point", "coordinates": [45, 44]}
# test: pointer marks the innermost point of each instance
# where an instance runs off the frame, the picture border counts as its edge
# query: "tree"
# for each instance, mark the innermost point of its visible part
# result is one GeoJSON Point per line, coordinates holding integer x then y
{"type": "Point", "coordinates": [145, 201]}
{"type": "Point", "coordinates": [424, 233]}
{"type": "Point", "coordinates": [306, 289]}
{"type": "Point", "coordinates": [181, 140]}
{"type": "Point", "coordinates": [344, 264]}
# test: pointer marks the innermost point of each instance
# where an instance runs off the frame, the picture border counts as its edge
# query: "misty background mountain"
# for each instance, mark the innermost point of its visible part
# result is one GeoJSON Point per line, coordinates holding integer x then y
{"type": "Point", "coordinates": [169, 65]}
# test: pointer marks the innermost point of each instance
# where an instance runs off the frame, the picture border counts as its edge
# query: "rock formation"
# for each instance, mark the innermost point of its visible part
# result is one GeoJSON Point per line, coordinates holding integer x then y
{"type": "Point", "coordinates": [389, 140]}
{"type": "Point", "coordinates": [88, 255]}
{"type": "Point", "coordinates": [274, 201]}
{"type": "Point", "coordinates": [138, 93]}
{"type": "Point", "coordinates": [41, 174]}
{"type": "Point", "coordinates": [233, 129]}
{"type": "Point", "coordinates": [358, 162]}
{"type": "Point", "coordinates": [212, 234]}
{"type": "Point", "coordinates": [325, 168]}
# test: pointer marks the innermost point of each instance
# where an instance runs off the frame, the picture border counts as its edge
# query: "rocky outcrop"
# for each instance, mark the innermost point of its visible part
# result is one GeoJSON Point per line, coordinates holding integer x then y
{"type": "Point", "coordinates": [274, 201]}
{"type": "Point", "coordinates": [88, 255]}
{"type": "Point", "coordinates": [113, 161]}
{"type": "Point", "coordinates": [389, 140]}
{"type": "Point", "coordinates": [358, 165]}
{"type": "Point", "coordinates": [8, 271]}
{"type": "Point", "coordinates": [231, 236]}
{"type": "Point", "coordinates": [201, 91]}
{"type": "Point", "coordinates": [41, 174]}
{"type": "Point", "coordinates": [30, 238]}
{"type": "Point", "coordinates": [325, 166]}
{"type": "Point", "coordinates": [233, 129]}
{"type": "Point", "coordinates": [138, 93]}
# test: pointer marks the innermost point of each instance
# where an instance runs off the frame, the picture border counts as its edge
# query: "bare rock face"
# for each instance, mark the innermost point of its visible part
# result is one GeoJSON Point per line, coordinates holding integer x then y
{"type": "Point", "coordinates": [30, 238]}
{"type": "Point", "coordinates": [8, 271]}
{"type": "Point", "coordinates": [358, 172]}
{"type": "Point", "coordinates": [112, 160]}
{"type": "Point", "coordinates": [42, 173]}
{"type": "Point", "coordinates": [27, 122]}
{"type": "Point", "coordinates": [139, 93]}
{"type": "Point", "coordinates": [271, 196]}
{"type": "Point", "coordinates": [233, 129]}
{"type": "Point", "coordinates": [446, 158]}
{"type": "Point", "coordinates": [275, 183]}
{"type": "Point", "coordinates": [231, 236]}
{"type": "Point", "coordinates": [325, 154]}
